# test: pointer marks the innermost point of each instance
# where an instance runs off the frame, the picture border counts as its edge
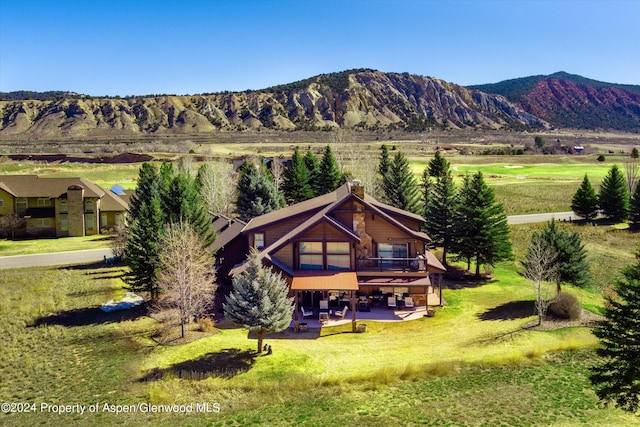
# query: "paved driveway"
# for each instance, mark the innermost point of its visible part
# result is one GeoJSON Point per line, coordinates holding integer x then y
{"type": "Point", "coordinates": [56, 258]}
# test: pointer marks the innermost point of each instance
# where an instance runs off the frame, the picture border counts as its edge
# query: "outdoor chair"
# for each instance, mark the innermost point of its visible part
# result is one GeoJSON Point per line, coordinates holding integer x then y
{"type": "Point", "coordinates": [408, 302]}
{"type": "Point", "coordinates": [306, 312]}
{"type": "Point", "coordinates": [324, 305]}
{"type": "Point", "coordinates": [340, 314]}
{"type": "Point", "coordinates": [391, 302]}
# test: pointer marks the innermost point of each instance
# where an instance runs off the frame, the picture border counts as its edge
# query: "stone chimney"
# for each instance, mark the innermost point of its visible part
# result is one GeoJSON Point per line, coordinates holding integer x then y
{"type": "Point", "coordinates": [75, 206]}
{"type": "Point", "coordinates": [365, 247]}
{"type": "Point", "coordinates": [357, 188]}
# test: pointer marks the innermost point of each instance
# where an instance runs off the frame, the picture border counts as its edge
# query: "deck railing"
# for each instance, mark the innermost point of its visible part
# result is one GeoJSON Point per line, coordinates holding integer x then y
{"type": "Point", "coordinates": [391, 264]}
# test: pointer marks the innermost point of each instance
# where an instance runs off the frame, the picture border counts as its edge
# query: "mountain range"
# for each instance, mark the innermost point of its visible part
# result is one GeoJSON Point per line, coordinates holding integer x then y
{"type": "Point", "coordinates": [360, 99]}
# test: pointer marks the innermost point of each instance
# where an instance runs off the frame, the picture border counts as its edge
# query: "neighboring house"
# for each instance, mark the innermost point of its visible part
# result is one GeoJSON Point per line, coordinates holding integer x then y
{"type": "Point", "coordinates": [60, 206]}
{"type": "Point", "coordinates": [230, 245]}
{"type": "Point", "coordinates": [345, 245]}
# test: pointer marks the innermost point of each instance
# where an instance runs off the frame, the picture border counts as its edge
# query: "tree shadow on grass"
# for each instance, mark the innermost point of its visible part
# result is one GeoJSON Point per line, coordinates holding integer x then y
{"type": "Point", "coordinates": [224, 364]}
{"type": "Point", "coordinates": [510, 311]}
{"type": "Point", "coordinates": [92, 316]}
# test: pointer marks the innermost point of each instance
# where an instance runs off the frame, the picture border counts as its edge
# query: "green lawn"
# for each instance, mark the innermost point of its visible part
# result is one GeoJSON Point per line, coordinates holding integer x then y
{"type": "Point", "coordinates": [63, 244]}
{"type": "Point", "coordinates": [453, 369]}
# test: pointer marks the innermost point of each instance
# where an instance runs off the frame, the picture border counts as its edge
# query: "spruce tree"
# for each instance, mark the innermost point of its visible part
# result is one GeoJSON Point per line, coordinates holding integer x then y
{"type": "Point", "coordinates": [257, 193]}
{"type": "Point", "coordinates": [571, 257]}
{"type": "Point", "coordinates": [617, 377]}
{"type": "Point", "coordinates": [440, 212]}
{"type": "Point", "coordinates": [400, 185]}
{"type": "Point", "coordinates": [613, 197]}
{"type": "Point", "coordinates": [330, 176]}
{"type": "Point", "coordinates": [385, 161]}
{"type": "Point", "coordinates": [296, 186]}
{"type": "Point", "coordinates": [259, 300]}
{"type": "Point", "coordinates": [142, 248]}
{"type": "Point", "coordinates": [585, 201]}
{"type": "Point", "coordinates": [483, 224]}
{"type": "Point", "coordinates": [313, 166]}
{"type": "Point", "coordinates": [148, 187]}
{"type": "Point", "coordinates": [438, 166]}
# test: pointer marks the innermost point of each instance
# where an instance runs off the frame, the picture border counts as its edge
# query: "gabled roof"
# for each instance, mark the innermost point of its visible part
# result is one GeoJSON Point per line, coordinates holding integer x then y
{"type": "Point", "coordinates": [318, 210]}
{"type": "Point", "coordinates": [226, 229]}
{"type": "Point", "coordinates": [34, 186]}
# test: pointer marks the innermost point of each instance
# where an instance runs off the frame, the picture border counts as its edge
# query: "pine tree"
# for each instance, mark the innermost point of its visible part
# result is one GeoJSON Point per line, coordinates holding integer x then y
{"type": "Point", "coordinates": [440, 212]}
{"type": "Point", "coordinates": [183, 202]}
{"type": "Point", "coordinates": [142, 248]}
{"type": "Point", "coordinates": [617, 377]}
{"type": "Point", "coordinates": [438, 166]}
{"type": "Point", "coordinates": [571, 259]}
{"type": "Point", "coordinates": [147, 188]}
{"type": "Point", "coordinates": [385, 160]}
{"type": "Point", "coordinates": [330, 176]}
{"type": "Point", "coordinates": [400, 185]}
{"type": "Point", "coordinates": [613, 197]}
{"type": "Point", "coordinates": [259, 300]}
{"type": "Point", "coordinates": [313, 166]}
{"type": "Point", "coordinates": [634, 204]}
{"type": "Point", "coordinates": [257, 194]}
{"type": "Point", "coordinates": [296, 186]}
{"type": "Point", "coordinates": [482, 224]}
{"type": "Point", "coordinates": [585, 201]}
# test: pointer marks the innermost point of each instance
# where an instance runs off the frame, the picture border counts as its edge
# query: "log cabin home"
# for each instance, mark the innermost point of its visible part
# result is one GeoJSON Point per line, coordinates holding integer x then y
{"type": "Point", "coordinates": [346, 249]}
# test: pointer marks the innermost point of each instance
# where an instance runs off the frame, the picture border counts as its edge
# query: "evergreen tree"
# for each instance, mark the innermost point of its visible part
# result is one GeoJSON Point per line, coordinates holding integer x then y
{"type": "Point", "coordinates": [571, 257]}
{"type": "Point", "coordinates": [585, 201]}
{"type": "Point", "coordinates": [634, 204]}
{"type": "Point", "coordinates": [257, 193]}
{"type": "Point", "coordinates": [617, 377]}
{"type": "Point", "coordinates": [440, 212]}
{"type": "Point", "coordinates": [482, 224]}
{"type": "Point", "coordinates": [259, 300]}
{"type": "Point", "coordinates": [385, 160]}
{"type": "Point", "coordinates": [330, 176]}
{"type": "Point", "coordinates": [142, 248]}
{"type": "Point", "coordinates": [296, 186]}
{"type": "Point", "coordinates": [183, 202]}
{"type": "Point", "coordinates": [313, 166]}
{"type": "Point", "coordinates": [462, 243]}
{"type": "Point", "coordinates": [147, 188]}
{"type": "Point", "coordinates": [438, 166]}
{"type": "Point", "coordinates": [613, 197]}
{"type": "Point", "coordinates": [400, 185]}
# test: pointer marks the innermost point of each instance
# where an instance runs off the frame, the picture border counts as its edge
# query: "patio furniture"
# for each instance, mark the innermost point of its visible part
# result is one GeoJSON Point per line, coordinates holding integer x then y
{"type": "Point", "coordinates": [363, 304]}
{"type": "Point", "coordinates": [323, 317]}
{"type": "Point", "coordinates": [303, 327]}
{"type": "Point", "coordinates": [324, 306]}
{"type": "Point", "coordinates": [306, 312]}
{"type": "Point", "coordinates": [408, 302]}
{"type": "Point", "coordinates": [391, 302]}
{"type": "Point", "coordinates": [340, 314]}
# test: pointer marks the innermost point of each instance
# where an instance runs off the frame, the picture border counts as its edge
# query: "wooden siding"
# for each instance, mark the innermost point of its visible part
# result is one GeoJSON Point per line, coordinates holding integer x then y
{"type": "Point", "coordinates": [7, 203]}
{"type": "Point", "coordinates": [285, 255]}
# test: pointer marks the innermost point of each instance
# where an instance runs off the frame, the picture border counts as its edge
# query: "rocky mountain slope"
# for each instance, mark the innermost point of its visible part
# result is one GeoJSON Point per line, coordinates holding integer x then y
{"type": "Point", "coordinates": [571, 101]}
{"type": "Point", "coordinates": [352, 99]}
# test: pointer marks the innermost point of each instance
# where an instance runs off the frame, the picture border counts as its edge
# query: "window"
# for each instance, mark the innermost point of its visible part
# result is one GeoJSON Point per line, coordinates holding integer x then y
{"type": "Point", "coordinates": [258, 240]}
{"type": "Point", "coordinates": [89, 221]}
{"type": "Point", "coordinates": [43, 223]}
{"type": "Point", "coordinates": [64, 222]}
{"type": "Point", "coordinates": [88, 205]}
{"type": "Point", "coordinates": [311, 256]}
{"type": "Point", "coordinates": [1, 203]}
{"type": "Point", "coordinates": [103, 220]}
{"type": "Point", "coordinates": [63, 208]}
{"type": "Point", "coordinates": [338, 256]}
{"type": "Point", "coordinates": [393, 250]}
{"type": "Point", "coordinates": [44, 201]}
{"type": "Point", "coordinates": [21, 206]}
{"type": "Point", "coordinates": [325, 256]}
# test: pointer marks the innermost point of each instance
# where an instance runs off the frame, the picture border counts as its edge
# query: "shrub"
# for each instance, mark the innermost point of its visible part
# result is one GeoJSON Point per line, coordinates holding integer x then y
{"type": "Point", "coordinates": [601, 158]}
{"type": "Point", "coordinates": [565, 306]}
{"type": "Point", "coordinates": [206, 324]}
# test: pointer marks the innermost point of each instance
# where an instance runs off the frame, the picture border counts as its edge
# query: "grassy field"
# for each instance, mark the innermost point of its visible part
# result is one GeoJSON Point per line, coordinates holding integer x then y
{"type": "Point", "coordinates": [471, 364]}
{"type": "Point", "coordinates": [39, 246]}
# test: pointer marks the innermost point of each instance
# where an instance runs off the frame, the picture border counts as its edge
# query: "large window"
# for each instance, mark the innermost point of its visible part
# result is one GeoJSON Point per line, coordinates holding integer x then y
{"type": "Point", "coordinates": [21, 206]}
{"type": "Point", "coordinates": [88, 205]}
{"type": "Point", "coordinates": [62, 206]}
{"type": "Point", "coordinates": [43, 223]}
{"type": "Point", "coordinates": [338, 256]}
{"type": "Point", "coordinates": [89, 221]}
{"type": "Point", "coordinates": [325, 256]}
{"type": "Point", "coordinates": [311, 256]}
{"type": "Point", "coordinates": [44, 201]}
{"type": "Point", "coordinates": [393, 250]}
{"type": "Point", "coordinates": [64, 222]}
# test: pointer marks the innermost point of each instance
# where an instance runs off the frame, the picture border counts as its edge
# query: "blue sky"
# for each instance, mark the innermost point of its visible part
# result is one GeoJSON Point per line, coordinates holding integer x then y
{"type": "Point", "coordinates": [138, 47]}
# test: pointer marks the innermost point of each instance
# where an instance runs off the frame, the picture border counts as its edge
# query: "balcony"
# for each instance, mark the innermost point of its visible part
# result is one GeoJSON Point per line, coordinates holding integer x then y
{"type": "Point", "coordinates": [404, 265]}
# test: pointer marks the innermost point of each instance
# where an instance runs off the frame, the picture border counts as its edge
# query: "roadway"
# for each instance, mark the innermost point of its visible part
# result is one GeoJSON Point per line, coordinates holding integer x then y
{"type": "Point", "coordinates": [96, 255]}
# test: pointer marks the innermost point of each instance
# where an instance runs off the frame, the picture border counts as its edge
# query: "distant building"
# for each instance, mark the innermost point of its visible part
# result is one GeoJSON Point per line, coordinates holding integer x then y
{"type": "Point", "coordinates": [60, 206]}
